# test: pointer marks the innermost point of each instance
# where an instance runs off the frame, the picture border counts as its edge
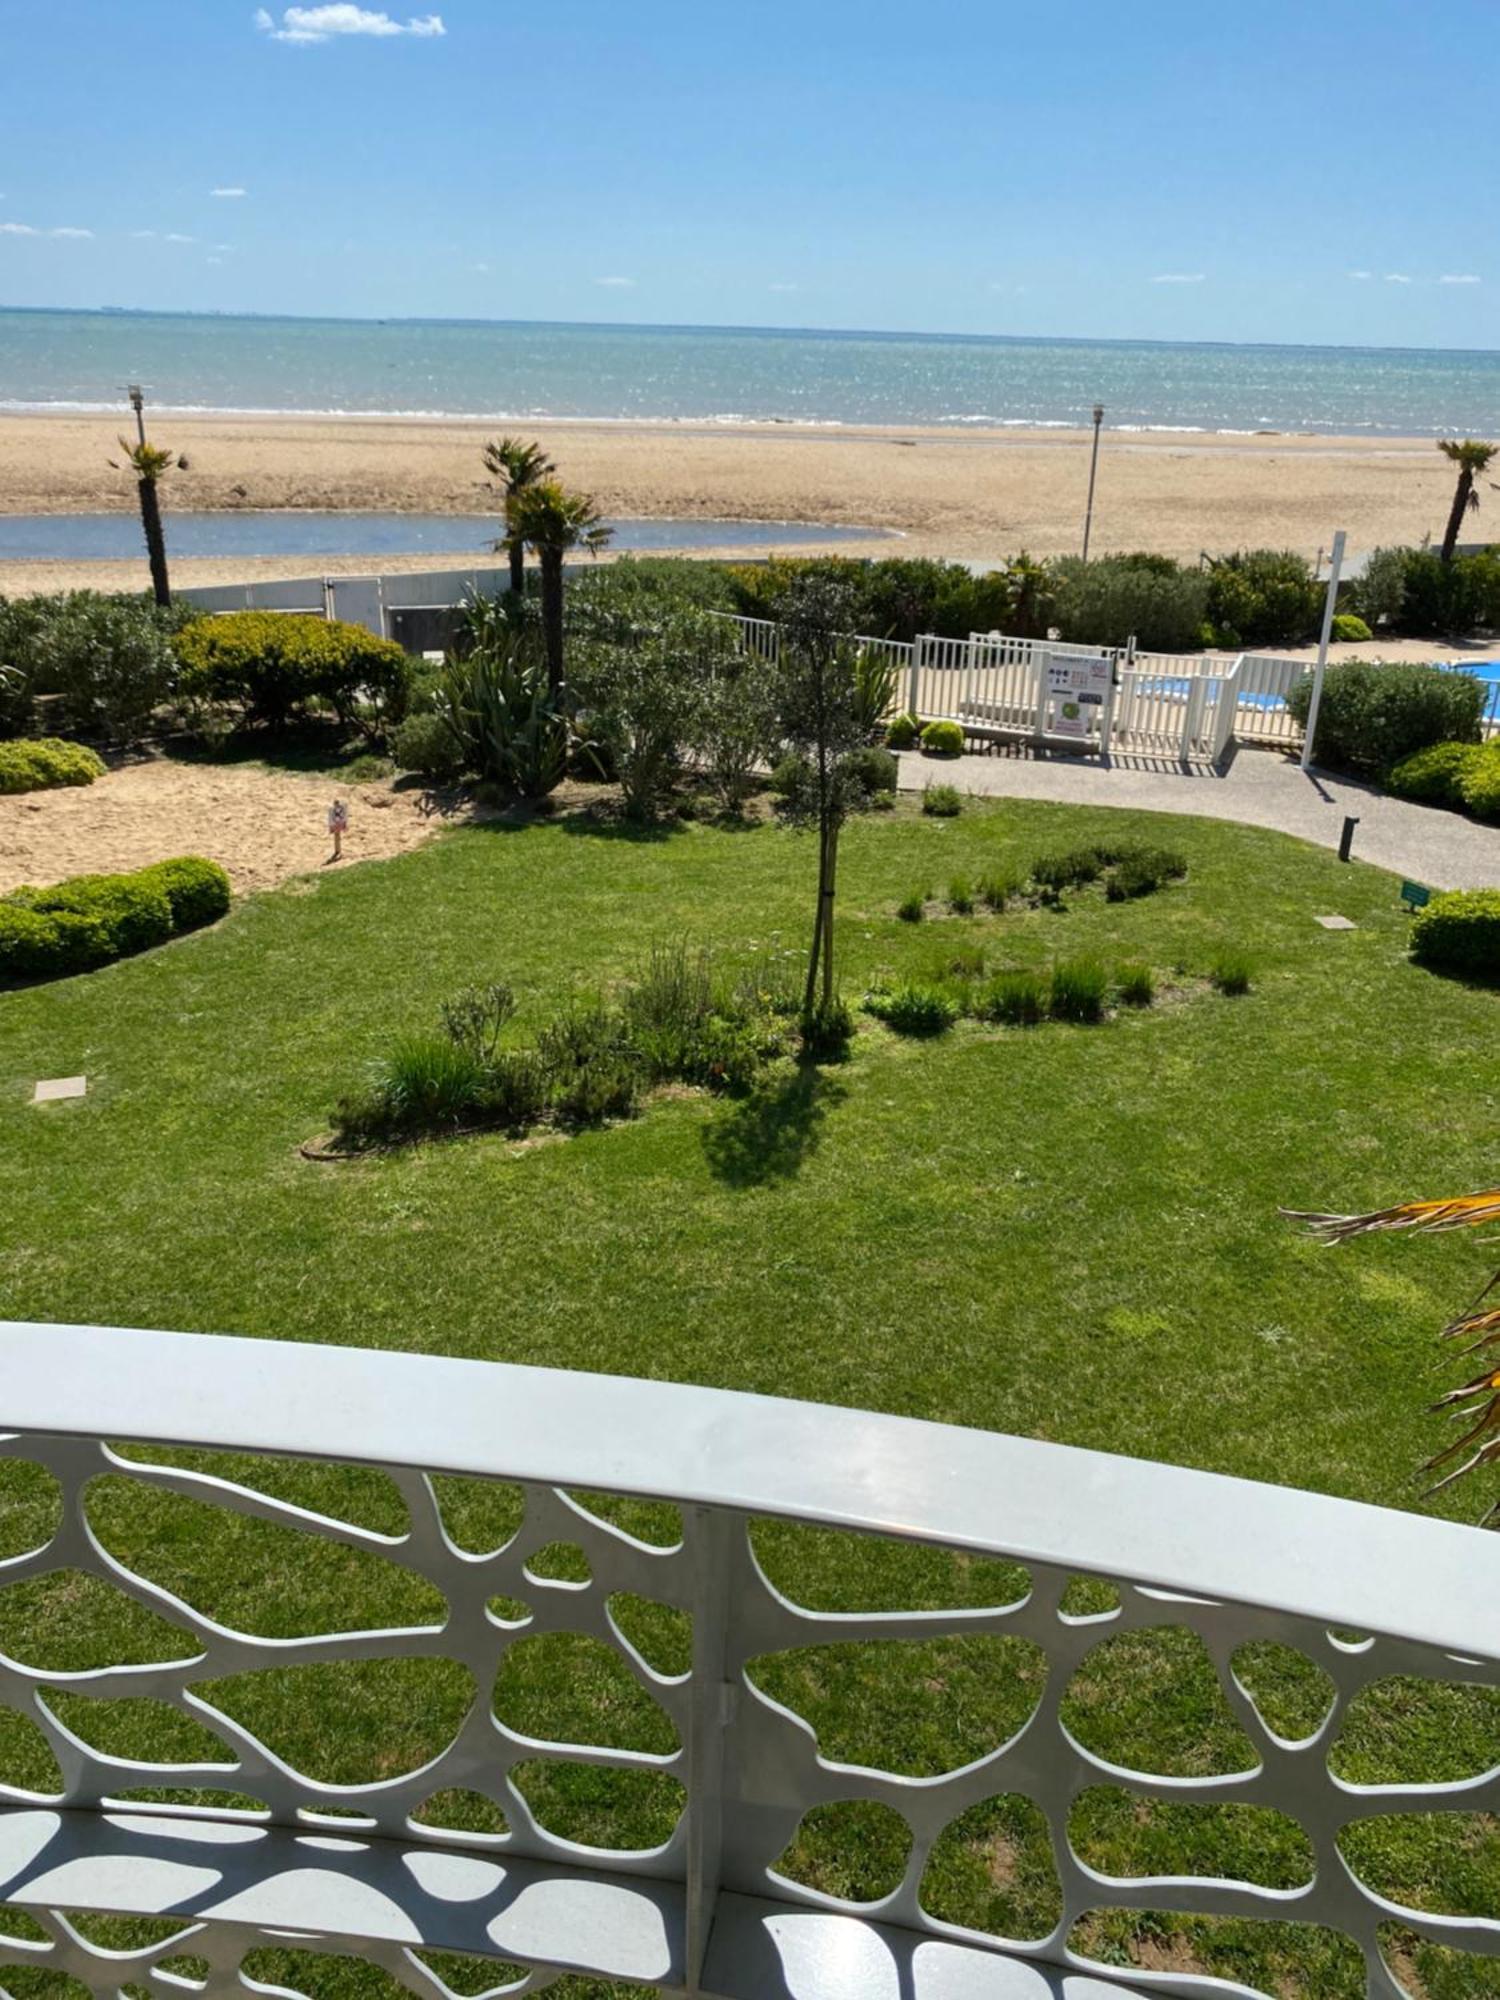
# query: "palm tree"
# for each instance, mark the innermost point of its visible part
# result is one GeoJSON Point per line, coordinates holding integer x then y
{"type": "Point", "coordinates": [149, 464]}
{"type": "Point", "coordinates": [1471, 458]}
{"type": "Point", "coordinates": [545, 516]}
{"type": "Point", "coordinates": [515, 465]}
{"type": "Point", "coordinates": [1477, 1402]}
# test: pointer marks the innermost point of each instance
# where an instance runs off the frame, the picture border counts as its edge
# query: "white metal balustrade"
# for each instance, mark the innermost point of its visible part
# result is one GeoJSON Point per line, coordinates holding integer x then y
{"type": "Point", "coordinates": [1365, 1593]}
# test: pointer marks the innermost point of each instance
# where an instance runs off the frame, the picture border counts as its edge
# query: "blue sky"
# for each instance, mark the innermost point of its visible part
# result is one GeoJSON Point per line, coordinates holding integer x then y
{"type": "Point", "coordinates": [1280, 171]}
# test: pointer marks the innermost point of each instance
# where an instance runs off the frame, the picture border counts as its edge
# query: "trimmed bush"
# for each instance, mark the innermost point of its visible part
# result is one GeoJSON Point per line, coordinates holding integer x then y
{"type": "Point", "coordinates": [1079, 989]}
{"type": "Point", "coordinates": [1479, 786]}
{"type": "Point", "coordinates": [1459, 931]}
{"type": "Point", "coordinates": [901, 732]}
{"type": "Point", "coordinates": [1018, 999]}
{"type": "Point", "coordinates": [942, 802]}
{"type": "Point", "coordinates": [1435, 776]}
{"type": "Point", "coordinates": [1373, 716]}
{"type": "Point", "coordinates": [274, 667]}
{"type": "Point", "coordinates": [42, 763]}
{"type": "Point", "coordinates": [89, 920]}
{"type": "Point", "coordinates": [913, 1008]}
{"type": "Point", "coordinates": [426, 744]}
{"type": "Point", "coordinates": [1350, 630]}
{"type": "Point", "coordinates": [197, 891]}
{"type": "Point", "coordinates": [943, 739]}
{"type": "Point", "coordinates": [913, 908]}
{"type": "Point", "coordinates": [873, 770]}
{"type": "Point", "coordinates": [1231, 973]}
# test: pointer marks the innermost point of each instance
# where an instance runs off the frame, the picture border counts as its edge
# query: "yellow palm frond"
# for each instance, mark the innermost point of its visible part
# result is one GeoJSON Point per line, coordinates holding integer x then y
{"type": "Point", "coordinates": [1464, 1211]}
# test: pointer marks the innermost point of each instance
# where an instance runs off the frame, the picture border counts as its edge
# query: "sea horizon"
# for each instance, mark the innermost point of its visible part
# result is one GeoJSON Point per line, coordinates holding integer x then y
{"type": "Point", "coordinates": [75, 360]}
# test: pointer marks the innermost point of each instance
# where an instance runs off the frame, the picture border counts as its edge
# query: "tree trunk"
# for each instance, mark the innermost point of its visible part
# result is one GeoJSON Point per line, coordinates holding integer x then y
{"type": "Point", "coordinates": [810, 987]}
{"type": "Point", "coordinates": [515, 548]}
{"type": "Point", "coordinates": [156, 541]}
{"type": "Point", "coordinates": [1456, 518]}
{"type": "Point", "coordinates": [552, 618]}
{"type": "Point", "coordinates": [826, 905]}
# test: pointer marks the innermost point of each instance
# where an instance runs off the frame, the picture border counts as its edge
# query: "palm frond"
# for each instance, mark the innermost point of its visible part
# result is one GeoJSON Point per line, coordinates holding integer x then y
{"type": "Point", "coordinates": [1466, 1211]}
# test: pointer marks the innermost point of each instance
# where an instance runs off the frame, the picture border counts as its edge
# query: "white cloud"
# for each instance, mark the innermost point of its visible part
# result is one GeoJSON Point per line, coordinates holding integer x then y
{"type": "Point", "coordinates": [228, 194]}
{"type": "Point", "coordinates": [25, 229]}
{"type": "Point", "coordinates": [616, 284]}
{"type": "Point", "coordinates": [1460, 278]}
{"type": "Point", "coordinates": [305, 25]}
{"type": "Point", "coordinates": [1360, 277]}
{"type": "Point", "coordinates": [1179, 278]}
{"type": "Point", "coordinates": [1397, 278]}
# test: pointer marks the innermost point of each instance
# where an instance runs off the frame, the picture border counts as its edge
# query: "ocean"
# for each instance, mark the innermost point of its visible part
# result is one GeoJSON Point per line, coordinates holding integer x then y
{"type": "Point", "coordinates": [517, 372]}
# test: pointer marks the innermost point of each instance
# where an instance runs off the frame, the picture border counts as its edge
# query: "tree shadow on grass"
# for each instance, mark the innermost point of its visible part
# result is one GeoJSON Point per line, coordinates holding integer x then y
{"type": "Point", "coordinates": [767, 1136]}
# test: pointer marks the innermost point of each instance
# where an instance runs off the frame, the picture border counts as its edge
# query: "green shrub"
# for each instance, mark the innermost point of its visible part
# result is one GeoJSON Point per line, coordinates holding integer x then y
{"type": "Point", "coordinates": [1373, 716]}
{"type": "Point", "coordinates": [1459, 931]}
{"type": "Point", "coordinates": [961, 896]}
{"type": "Point", "coordinates": [89, 920]}
{"type": "Point", "coordinates": [40, 763]}
{"type": "Point", "coordinates": [997, 887]}
{"type": "Point", "coordinates": [736, 731]}
{"type": "Point", "coordinates": [197, 891]}
{"type": "Point", "coordinates": [514, 1093]}
{"type": "Point", "coordinates": [498, 706]}
{"type": "Point", "coordinates": [1019, 999]}
{"type": "Point", "coordinates": [1349, 629]}
{"type": "Point", "coordinates": [17, 709]}
{"type": "Point", "coordinates": [273, 668]}
{"type": "Point", "coordinates": [1264, 597]}
{"type": "Point", "coordinates": [872, 770]}
{"type": "Point", "coordinates": [913, 1008]}
{"type": "Point", "coordinates": [426, 743]}
{"type": "Point", "coordinates": [913, 908]}
{"type": "Point", "coordinates": [1414, 591]}
{"type": "Point", "coordinates": [942, 802]}
{"type": "Point", "coordinates": [827, 1031]}
{"type": "Point", "coordinates": [109, 660]}
{"type": "Point", "coordinates": [428, 1082]}
{"type": "Point", "coordinates": [1079, 989]}
{"type": "Point", "coordinates": [1146, 597]}
{"type": "Point", "coordinates": [1140, 871]}
{"type": "Point", "coordinates": [1479, 786]}
{"type": "Point", "coordinates": [1231, 972]}
{"type": "Point", "coordinates": [790, 776]}
{"type": "Point", "coordinates": [1434, 776]}
{"type": "Point", "coordinates": [1136, 985]}
{"type": "Point", "coordinates": [1052, 873]}
{"type": "Point", "coordinates": [902, 731]}
{"type": "Point", "coordinates": [943, 739]}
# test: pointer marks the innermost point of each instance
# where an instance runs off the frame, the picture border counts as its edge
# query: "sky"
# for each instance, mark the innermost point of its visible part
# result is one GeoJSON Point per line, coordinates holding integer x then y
{"type": "Point", "coordinates": [1214, 170]}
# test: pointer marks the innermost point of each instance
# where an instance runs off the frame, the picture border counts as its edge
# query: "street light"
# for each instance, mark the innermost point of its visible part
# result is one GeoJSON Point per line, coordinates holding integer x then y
{"type": "Point", "coordinates": [1088, 519]}
{"type": "Point", "coordinates": [137, 397]}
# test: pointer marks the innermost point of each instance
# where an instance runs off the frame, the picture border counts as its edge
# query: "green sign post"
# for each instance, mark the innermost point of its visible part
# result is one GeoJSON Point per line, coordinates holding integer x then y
{"type": "Point", "coordinates": [1414, 895]}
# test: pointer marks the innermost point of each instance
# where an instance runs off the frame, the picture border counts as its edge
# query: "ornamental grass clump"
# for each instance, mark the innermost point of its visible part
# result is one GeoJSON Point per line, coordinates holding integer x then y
{"type": "Point", "coordinates": [1016, 999]}
{"type": "Point", "coordinates": [997, 888]}
{"type": "Point", "coordinates": [1231, 973]}
{"type": "Point", "coordinates": [913, 1007]}
{"type": "Point", "coordinates": [1080, 987]}
{"type": "Point", "coordinates": [913, 908]}
{"type": "Point", "coordinates": [961, 896]}
{"type": "Point", "coordinates": [1135, 985]}
{"type": "Point", "coordinates": [942, 802]}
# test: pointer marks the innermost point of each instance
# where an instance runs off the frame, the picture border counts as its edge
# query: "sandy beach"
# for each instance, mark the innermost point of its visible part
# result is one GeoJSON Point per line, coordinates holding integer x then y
{"type": "Point", "coordinates": [978, 494]}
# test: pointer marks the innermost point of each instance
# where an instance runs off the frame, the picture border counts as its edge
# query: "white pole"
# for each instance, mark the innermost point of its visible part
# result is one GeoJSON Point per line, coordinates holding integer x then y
{"type": "Point", "coordinates": [1335, 564]}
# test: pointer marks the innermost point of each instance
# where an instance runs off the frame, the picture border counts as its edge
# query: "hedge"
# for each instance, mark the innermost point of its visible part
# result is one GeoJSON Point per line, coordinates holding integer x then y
{"type": "Point", "coordinates": [273, 667]}
{"type": "Point", "coordinates": [1374, 716]}
{"type": "Point", "coordinates": [90, 920]}
{"type": "Point", "coordinates": [1459, 931]}
{"type": "Point", "coordinates": [39, 764]}
{"type": "Point", "coordinates": [108, 660]}
{"type": "Point", "coordinates": [1435, 776]}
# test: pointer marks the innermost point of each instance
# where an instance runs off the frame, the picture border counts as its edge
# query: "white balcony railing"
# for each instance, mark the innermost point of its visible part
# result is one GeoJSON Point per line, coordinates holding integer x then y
{"type": "Point", "coordinates": [1363, 1592]}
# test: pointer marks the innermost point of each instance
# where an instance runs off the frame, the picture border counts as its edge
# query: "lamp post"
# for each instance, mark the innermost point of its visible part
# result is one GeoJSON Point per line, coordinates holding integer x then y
{"type": "Point", "coordinates": [137, 397]}
{"type": "Point", "coordinates": [1088, 519]}
{"type": "Point", "coordinates": [1335, 565]}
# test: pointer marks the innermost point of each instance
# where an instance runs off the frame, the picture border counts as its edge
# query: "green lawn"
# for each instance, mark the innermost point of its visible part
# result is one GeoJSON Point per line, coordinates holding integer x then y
{"type": "Point", "coordinates": [1061, 1231]}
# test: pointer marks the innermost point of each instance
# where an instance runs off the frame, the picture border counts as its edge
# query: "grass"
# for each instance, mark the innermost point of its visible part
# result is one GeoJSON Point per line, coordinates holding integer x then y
{"type": "Point", "coordinates": [790, 1244]}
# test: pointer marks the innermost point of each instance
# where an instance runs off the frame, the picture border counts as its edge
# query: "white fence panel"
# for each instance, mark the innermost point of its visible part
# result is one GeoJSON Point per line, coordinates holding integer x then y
{"type": "Point", "coordinates": [1261, 713]}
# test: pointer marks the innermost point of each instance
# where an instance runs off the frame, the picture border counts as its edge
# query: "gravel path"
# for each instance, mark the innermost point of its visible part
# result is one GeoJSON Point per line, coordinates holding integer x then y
{"type": "Point", "coordinates": [1256, 787]}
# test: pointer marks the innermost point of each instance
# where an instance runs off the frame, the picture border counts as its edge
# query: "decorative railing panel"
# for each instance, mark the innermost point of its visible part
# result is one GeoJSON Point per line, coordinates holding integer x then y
{"type": "Point", "coordinates": [706, 1905]}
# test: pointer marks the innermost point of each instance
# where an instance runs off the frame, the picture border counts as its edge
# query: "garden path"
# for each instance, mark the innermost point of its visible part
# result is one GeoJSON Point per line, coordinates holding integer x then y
{"type": "Point", "coordinates": [1256, 787]}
